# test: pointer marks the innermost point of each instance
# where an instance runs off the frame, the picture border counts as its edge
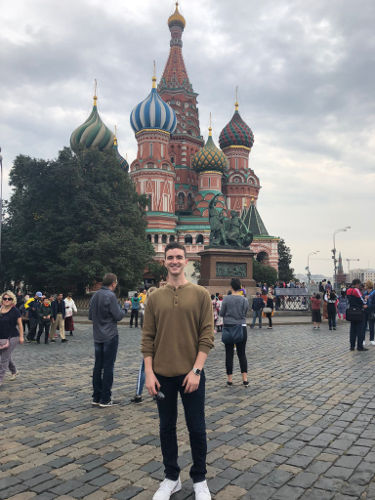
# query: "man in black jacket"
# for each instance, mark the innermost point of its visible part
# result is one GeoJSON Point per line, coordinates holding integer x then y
{"type": "Point", "coordinates": [105, 312]}
{"type": "Point", "coordinates": [257, 307]}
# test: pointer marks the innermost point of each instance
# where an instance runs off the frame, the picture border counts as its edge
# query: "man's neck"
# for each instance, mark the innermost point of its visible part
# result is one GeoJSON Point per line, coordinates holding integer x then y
{"type": "Point", "coordinates": [177, 281]}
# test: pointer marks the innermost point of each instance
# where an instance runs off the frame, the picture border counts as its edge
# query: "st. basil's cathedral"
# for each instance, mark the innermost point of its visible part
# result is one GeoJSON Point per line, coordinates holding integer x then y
{"type": "Point", "coordinates": [176, 170]}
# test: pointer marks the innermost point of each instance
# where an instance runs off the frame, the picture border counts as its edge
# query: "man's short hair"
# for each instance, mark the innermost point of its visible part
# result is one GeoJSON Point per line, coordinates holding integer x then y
{"type": "Point", "coordinates": [109, 278]}
{"type": "Point", "coordinates": [173, 245]}
{"type": "Point", "coordinates": [235, 284]}
{"type": "Point", "coordinates": [356, 281]}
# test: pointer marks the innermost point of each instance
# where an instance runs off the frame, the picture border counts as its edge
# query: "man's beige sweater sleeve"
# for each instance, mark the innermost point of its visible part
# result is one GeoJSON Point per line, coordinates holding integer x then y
{"type": "Point", "coordinates": [148, 331]}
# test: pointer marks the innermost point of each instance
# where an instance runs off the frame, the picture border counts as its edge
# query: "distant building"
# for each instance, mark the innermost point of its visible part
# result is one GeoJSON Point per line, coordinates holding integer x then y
{"type": "Point", "coordinates": [362, 274]}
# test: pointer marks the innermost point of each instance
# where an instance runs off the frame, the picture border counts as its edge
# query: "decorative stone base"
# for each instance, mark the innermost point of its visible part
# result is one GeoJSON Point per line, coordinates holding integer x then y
{"type": "Point", "coordinates": [220, 265]}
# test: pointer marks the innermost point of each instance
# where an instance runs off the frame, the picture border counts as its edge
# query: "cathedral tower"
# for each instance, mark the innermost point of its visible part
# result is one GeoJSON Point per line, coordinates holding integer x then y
{"type": "Point", "coordinates": [175, 89]}
{"type": "Point", "coordinates": [153, 121]}
{"type": "Point", "coordinates": [242, 186]}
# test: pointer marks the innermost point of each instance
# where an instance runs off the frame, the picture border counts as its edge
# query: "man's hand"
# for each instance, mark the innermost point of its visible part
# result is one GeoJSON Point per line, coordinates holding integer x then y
{"type": "Point", "coordinates": [152, 383]}
{"type": "Point", "coordinates": [191, 382]}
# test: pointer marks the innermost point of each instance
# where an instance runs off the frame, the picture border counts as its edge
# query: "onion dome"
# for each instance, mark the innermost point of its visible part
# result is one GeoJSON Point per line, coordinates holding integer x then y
{"type": "Point", "coordinates": [92, 133]}
{"type": "Point", "coordinates": [236, 132]}
{"type": "Point", "coordinates": [153, 113]}
{"type": "Point", "coordinates": [123, 163]}
{"type": "Point", "coordinates": [209, 157]}
{"type": "Point", "coordinates": [176, 19]}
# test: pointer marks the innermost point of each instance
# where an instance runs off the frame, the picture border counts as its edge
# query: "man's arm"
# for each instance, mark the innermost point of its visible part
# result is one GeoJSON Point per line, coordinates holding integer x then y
{"type": "Point", "coordinates": [115, 310]}
{"type": "Point", "coordinates": [152, 383]}
{"type": "Point", "coordinates": [191, 381]}
{"type": "Point", "coordinates": [147, 348]}
{"type": "Point", "coordinates": [205, 343]}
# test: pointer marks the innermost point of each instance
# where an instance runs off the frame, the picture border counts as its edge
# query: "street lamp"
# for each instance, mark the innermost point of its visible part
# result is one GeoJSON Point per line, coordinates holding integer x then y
{"type": "Point", "coordinates": [334, 252]}
{"type": "Point", "coordinates": [308, 265]}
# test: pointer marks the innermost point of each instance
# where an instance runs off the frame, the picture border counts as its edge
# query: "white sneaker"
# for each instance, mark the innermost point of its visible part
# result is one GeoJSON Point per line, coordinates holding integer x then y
{"type": "Point", "coordinates": [167, 488]}
{"type": "Point", "coordinates": [372, 342]}
{"type": "Point", "coordinates": [201, 491]}
{"type": "Point", "coordinates": [364, 343]}
{"type": "Point", "coordinates": [14, 376]}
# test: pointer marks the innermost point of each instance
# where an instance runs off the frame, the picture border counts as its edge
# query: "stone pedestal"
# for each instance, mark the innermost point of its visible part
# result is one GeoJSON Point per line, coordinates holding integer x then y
{"type": "Point", "coordinates": [220, 265]}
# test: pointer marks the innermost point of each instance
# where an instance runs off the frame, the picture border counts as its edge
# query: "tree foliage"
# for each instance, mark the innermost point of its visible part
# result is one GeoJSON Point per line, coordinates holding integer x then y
{"type": "Point", "coordinates": [286, 273]}
{"type": "Point", "coordinates": [263, 273]}
{"type": "Point", "coordinates": [72, 219]}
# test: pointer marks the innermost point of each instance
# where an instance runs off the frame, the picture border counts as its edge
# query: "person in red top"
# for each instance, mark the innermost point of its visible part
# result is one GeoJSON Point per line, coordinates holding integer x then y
{"type": "Point", "coordinates": [356, 327]}
{"type": "Point", "coordinates": [316, 303]}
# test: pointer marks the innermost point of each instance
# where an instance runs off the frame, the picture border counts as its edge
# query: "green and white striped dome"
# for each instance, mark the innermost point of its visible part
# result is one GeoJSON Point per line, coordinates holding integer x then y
{"type": "Point", "coordinates": [92, 134]}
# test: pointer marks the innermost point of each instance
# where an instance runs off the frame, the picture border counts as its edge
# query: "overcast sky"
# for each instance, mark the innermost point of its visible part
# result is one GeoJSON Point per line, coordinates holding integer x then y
{"type": "Point", "coordinates": [306, 76]}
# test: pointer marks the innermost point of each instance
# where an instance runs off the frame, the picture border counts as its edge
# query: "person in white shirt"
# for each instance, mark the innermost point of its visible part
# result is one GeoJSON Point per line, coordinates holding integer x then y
{"type": "Point", "coordinates": [70, 308]}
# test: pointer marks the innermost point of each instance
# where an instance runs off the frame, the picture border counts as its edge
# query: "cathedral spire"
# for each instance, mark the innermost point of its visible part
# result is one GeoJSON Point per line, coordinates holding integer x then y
{"type": "Point", "coordinates": [175, 74]}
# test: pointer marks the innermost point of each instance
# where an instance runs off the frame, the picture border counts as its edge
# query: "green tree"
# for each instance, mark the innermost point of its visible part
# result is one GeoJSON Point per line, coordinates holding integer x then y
{"type": "Point", "coordinates": [263, 273]}
{"type": "Point", "coordinates": [286, 273]}
{"type": "Point", "coordinates": [72, 219]}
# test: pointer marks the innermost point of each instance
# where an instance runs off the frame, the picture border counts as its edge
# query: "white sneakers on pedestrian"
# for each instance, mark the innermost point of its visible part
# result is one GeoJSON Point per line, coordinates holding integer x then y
{"type": "Point", "coordinates": [201, 491]}
{"type": "Point", "coordinates": [372, 342]}
{"type": "Point", "coordinates": [14, 376]}
{"type": "Point", "coordinates": [167, 488]}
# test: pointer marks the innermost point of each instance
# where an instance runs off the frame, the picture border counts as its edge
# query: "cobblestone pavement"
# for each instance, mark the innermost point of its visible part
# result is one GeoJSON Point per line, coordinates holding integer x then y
{"type": "Point", "coordinates": [305, 428]}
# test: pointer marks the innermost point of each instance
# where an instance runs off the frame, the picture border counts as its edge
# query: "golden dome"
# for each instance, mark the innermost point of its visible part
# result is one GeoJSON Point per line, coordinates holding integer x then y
{"type": "Point", "coordinates": [176, 18]}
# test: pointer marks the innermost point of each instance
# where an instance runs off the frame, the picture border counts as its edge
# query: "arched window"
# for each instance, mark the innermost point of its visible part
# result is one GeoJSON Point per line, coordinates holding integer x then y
{"type": "Point", "coordinates": [164, 238]}
{"type": "Point", "coordinates": [156, 238]}
{"type": "Point", "coordinates": [200, 239]}
{"type": "Point", "coordinates": [188, 239]}
{"type": "Point", "coordinates": [181, 200]}
{"type": "Point", "coordinates": [190, 201]}
{"type": "Point", "coordinates": [149, 238]}
{"type": "Point", "coordinates": [171, 238]}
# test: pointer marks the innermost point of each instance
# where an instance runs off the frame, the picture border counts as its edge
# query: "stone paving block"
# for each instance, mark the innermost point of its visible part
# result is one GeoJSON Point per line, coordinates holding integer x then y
{"type": "Point", "coordinates": [317, 494]}
{"type": "Point", "coordinates": [127, 493]}
{"type": "Point", "coordinates": [66, 487]}
{"type": "Point", "coordinates": [217, 483]}
{"type": "Point", "coordinates": [26, 495]}
{"type": "Point", "coordinates": [229, 473]}
{"type": "Point", "coordinates": [38, 479]}
{"type": "Point", "coordinates": [276, 478]}
{"type": "Point", "coordinates": [60, 462]}
{"type": "Point", "coordinates": [318, 466]}
{"type": "Point", "coordinates": [288, 493]}
{"type": "Point", "coordinates": [246, 480]}
{"type": "Point", "coordinates": [8, 481]}
{"type": "Point", "coordinates": [299, 460]}
{"type": "Point", "coordinates": [16, 489]}
{"type": "Point", "coordinates": [230, 492]}
{"type": "Point", "coordinates": [46, 486]}
{"type": "Point", "coordinates": [329, 483]}
{"type": "Point", "coordinates": [103, 480]}
{"type": "Point", "coordinates": [34, 471]}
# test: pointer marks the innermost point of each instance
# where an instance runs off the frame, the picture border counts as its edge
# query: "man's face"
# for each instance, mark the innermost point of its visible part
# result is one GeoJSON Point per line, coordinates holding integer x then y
{"type": "Point", "coordinates": [60, 296]}
{"type": "Point", "coordinates": [175, 261]}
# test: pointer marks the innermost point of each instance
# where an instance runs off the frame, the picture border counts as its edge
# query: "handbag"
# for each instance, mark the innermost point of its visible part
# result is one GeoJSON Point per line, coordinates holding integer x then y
{"type": "Point", "coordinates": [267, 310]}
{"type": "Point", "coordinates": [232, 334]}
{"type": "Point", "coordinates": [4, 344]}
{"type": "Point", "coordinates": [354, 314]}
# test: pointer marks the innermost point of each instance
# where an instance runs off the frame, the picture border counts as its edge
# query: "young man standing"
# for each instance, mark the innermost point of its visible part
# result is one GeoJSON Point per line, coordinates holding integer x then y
{"type": "Point", "coordinates": [105, 312]}
{"type": "Point", "coordinates": [58, 317]}
{"type": "Point", "coordinates": [176, 339]}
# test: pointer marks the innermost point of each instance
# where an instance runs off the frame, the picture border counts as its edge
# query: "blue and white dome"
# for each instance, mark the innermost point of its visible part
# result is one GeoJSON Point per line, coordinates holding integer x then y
{"type": "Point", "coordinates": [153, 112]}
